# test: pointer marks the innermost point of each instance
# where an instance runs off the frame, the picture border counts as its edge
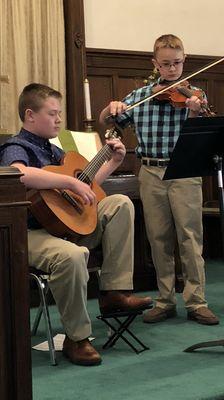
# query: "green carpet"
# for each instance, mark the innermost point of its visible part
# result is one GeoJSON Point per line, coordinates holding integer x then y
{"type": "Point", "coordinates": [164, 372]}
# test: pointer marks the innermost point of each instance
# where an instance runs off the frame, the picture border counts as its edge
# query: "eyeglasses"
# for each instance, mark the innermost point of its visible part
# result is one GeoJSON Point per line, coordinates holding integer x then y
{"type": "Point", "coordinates": [167, 65]}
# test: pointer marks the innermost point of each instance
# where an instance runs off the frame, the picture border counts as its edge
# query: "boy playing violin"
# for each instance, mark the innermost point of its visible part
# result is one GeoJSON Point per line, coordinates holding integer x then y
{"type": "Point", "coordinates": [172, 208]}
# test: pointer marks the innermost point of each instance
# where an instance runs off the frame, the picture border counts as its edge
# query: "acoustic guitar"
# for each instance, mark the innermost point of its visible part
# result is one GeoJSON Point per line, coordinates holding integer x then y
{"type": "Point", "coordinates": [61, 212]}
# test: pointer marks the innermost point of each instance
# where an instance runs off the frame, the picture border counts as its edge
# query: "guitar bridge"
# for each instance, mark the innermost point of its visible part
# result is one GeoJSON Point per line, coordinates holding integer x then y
{"type": "Point", "coordinates": [72, 201]}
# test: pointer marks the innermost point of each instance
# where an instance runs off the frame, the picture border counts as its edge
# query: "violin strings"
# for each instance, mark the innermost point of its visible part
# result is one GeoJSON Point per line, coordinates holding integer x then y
{"type": "Point", "coordinates": [205, 108]}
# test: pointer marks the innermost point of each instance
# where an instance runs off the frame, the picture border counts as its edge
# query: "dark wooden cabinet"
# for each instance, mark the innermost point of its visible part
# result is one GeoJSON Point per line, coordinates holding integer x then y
{"type": "Point", "coordinates": [144, 271]}
{"type": "Point", "coordinates": [15, 345]}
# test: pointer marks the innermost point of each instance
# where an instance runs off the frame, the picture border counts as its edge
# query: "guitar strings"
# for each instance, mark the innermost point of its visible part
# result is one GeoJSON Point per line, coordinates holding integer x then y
{"type": "Point", "coordinates": [91, 169]}
{"type": "Point", "coordinates": [98, 160]}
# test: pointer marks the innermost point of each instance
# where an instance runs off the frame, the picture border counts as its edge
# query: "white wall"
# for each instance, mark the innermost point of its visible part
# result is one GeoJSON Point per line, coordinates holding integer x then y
{"type": "Point", "coordinates": [135, 24]}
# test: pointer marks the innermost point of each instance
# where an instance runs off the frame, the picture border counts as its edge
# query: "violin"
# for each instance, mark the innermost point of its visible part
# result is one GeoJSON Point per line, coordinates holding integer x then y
{"type": "Point", "coordinates": [177, 96]}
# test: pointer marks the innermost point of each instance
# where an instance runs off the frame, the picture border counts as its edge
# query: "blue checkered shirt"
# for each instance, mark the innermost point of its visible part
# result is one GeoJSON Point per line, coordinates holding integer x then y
{"type": "Point", "coordinates": [32, 151]}
{"type": "Point", "coordinates": [157, 123]}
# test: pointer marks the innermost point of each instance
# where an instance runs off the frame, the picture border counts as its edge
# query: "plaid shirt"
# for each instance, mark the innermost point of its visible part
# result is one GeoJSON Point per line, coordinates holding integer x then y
{"type": "Point", "coordinates": [157, 123]}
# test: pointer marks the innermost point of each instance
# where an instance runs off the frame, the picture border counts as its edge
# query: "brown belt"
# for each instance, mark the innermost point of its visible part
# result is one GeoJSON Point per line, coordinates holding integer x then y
{"type": "Point", "coordinates": [155, 162]}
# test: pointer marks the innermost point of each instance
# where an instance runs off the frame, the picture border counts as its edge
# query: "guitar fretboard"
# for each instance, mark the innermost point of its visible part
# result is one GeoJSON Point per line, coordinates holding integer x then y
{"type": "Point", "coordinates": [92, 168]}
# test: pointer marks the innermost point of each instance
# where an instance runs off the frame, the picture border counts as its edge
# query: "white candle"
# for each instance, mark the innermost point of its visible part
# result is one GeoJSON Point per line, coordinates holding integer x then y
{"type": "Point", "coordinates": [87, 99]}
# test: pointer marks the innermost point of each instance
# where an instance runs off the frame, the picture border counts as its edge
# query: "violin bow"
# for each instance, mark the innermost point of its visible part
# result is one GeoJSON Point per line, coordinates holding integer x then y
{"type": "Point", "coordinates": [172, 85]}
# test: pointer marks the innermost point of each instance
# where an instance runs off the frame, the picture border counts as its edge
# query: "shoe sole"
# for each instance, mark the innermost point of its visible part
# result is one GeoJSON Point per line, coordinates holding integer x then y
{"type": "Point", "coordinates": [201, 321]}
{"type": "Point", "coordinates": [83, 363]}
{"type": "Point", "coordinates": [161, 318]}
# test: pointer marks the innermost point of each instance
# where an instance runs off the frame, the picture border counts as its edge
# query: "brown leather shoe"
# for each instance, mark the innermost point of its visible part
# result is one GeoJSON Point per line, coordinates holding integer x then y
{"type": "Point", "coordinates": [203, 315]}
{"type": "Point", "coordinates": [81, 353]}
{"type": "Point", "coordinates": [122, 301]}
{"type": "Point", "coordinates": [158, 314]}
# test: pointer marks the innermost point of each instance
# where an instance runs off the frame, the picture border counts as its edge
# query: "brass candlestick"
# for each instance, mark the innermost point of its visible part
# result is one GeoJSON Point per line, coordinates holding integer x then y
{"type": "Point", "coordinates": [88, 125]}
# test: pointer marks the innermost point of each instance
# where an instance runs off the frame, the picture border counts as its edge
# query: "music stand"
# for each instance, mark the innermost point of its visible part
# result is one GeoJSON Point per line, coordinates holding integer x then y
{"type": "Point", "coordinates": [199, 152]}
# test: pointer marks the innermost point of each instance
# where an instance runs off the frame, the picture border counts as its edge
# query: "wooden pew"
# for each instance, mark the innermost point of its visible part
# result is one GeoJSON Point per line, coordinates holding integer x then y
{"type": "Point", "coordinates": [15, 344]}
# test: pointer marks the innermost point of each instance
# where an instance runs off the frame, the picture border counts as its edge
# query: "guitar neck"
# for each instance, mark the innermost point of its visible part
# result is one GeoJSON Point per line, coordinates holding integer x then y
{"type": "Point", "coordinates": [88, 174]}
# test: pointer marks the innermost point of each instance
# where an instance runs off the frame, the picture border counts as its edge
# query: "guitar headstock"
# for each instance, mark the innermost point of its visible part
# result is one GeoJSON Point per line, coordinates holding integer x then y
{"type": "Point", "coordinates": [113, 133]}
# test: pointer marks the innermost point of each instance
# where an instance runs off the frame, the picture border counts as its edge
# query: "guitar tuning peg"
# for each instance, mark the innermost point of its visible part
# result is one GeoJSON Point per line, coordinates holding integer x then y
{"type": "Point", "coordinates": [107, 134]}
{"type": "Point", "coordinates": [113, 133]}
{"type": "Point", "coordinates": [110, 133]}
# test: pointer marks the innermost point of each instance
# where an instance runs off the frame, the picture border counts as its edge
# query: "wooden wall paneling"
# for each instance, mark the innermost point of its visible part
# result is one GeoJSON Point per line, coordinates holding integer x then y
{"type": "Point", "coordinates": [127, 83]}
{"type": "Point", "coordinates": [75, 62]}
{"type": "Point", "coordinates": [202, 83]}
{"type": "Point", "coordinates": [125, 70]}
{"type": "Point", "coordinates": [212, 237]}
{"type": "Point", "coordinates": [144, 271]}
{"type": "Point", "coordinates": [210, 189]}
{"type": "Point", "coordinates": [118, 59]}
{"type": "Point", "coordinates": [104, 86]}
{"type": "Point", "coordinates": [218, 94]}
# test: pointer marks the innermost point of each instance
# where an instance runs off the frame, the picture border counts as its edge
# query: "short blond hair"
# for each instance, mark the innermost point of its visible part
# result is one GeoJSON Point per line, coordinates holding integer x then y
{"type": "Point", "coordinates": [168, 41]}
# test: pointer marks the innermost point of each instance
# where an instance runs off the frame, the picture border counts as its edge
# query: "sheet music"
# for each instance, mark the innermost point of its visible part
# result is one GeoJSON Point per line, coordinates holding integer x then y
{"type": "Point", "coordinates": [88, 143]}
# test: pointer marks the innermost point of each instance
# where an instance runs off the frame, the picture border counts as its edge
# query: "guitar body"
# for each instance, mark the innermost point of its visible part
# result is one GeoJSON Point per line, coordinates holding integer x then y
{"type": "Point", "coordinates": [55, 213]}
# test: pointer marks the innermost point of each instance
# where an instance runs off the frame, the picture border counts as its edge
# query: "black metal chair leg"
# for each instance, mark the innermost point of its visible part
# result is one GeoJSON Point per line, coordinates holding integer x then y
{"type": "Point", "coordinates": [43, 309]}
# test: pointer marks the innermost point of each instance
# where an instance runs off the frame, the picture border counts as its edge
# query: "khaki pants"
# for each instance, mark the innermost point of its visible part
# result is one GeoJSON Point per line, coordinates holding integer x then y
{"type": "Point", "coordinates": [67, 262]}
{"type": "Point", "coordinates": [173, 209]}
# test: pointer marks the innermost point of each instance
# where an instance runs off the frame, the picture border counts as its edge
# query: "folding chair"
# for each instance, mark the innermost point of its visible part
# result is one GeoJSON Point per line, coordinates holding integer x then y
{"type": "Point", "coordinates": [40, 278]}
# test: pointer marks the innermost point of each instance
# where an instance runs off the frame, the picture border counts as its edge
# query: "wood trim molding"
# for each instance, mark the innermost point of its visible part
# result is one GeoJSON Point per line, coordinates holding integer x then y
{"type": "Point", "coordinates": [140, 59]}
{"type": "Point", "coordinates": [75, 62]}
